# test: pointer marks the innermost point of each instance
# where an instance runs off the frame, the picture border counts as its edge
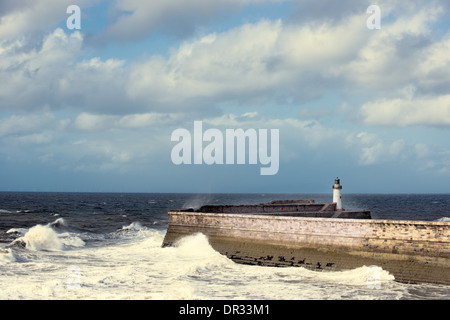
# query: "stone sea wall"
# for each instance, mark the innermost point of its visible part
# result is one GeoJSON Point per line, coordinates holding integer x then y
{"type": "Point", "coordinates": [413, 251]}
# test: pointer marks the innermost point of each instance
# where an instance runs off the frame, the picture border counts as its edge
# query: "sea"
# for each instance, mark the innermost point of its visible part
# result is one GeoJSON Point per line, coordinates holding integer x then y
{"type": "Point", "coordinates": [91, 246]}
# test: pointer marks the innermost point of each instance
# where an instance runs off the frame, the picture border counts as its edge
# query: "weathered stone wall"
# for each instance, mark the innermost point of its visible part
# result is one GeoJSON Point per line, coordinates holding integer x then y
{"type": "Point", "coordinates": [414, 251]}
{"type": "Point", "coordinates": [420, 237]}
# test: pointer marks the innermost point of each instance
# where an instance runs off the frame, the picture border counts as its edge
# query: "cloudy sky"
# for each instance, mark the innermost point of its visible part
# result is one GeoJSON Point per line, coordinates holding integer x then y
{"type": "Point", "coordinates": [93, 109]}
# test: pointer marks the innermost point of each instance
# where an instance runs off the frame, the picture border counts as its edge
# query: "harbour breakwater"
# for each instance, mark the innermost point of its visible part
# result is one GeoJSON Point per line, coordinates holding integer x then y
{"type": "Point", "coordinates": [412, 251]}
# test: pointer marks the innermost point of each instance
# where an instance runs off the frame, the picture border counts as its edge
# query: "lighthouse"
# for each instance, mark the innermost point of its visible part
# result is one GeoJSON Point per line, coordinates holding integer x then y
{"type": "Point", "coordinates": [337, 197]}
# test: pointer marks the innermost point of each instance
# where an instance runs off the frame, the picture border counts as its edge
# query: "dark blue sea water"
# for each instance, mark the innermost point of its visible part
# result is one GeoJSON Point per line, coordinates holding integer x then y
{"type": "Point", "coordinates": [108, 245]}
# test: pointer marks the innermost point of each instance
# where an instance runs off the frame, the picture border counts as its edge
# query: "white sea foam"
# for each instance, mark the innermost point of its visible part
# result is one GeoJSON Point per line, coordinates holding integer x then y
{"type": "Point", "coordinates": [6, 256]}
{"type": "Point", "coordinates": [40, 238]}
{"type": "Point", "coordinates": [20, 231]}
{"type": "Point", "coordinates": [44, 238]}
{"type": "Point", "coordinates": [70, 240]}
{"type": "Point", "coordinates": [58, 223]}
{"type": "Point", "coordinates": [444, 219]}
{"type": "Point", "coordinates": [133, 226]}
{"type": "Point", "coordinates": [192, 269]}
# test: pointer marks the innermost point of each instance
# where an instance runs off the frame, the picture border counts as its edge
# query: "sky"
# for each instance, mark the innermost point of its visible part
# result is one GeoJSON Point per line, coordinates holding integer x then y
{"type": "Point", "coordinates": [93, 109]}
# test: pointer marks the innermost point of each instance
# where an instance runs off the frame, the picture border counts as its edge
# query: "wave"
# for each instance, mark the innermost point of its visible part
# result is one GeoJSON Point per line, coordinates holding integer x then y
{"type": "Point", "coordinates": [6, 256]}
{"type": "Point", "coordinates": [40, 238]}
{"type": "Point", "coordinates": [193, 259]}
{"type": "Point", "coordinates": [45, 238]}
{"type": "Point", "coordinates": [444, 219]}
{"type": "Point", "coordinates": [136, 226]}
{"type": "Point", "coordinates": [370, 276]}
{"type": "Point", "coordinates": [196, 246]}
{"type": "Point", "coordinates": [4, 211]}
{"type": "Point", "coordinates": [60, 222]}
{"type": "Point", "coordinates": [191, 269]}
{"type": "Point", "coordinates": [17, 231]}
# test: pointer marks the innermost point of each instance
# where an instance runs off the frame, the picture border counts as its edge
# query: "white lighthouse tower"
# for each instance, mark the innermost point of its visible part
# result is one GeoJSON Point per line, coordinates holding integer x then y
{"type": "Point", "coordinates": [337, 197]}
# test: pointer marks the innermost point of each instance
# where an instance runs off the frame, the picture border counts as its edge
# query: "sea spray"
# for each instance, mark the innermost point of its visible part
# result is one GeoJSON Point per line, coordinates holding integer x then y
{"type": "Point", "coordinates": [131, 264]}
{"type": "Point", "coordinates": [142, 269]}
{"type": "Point", "coordinates": [45, 238]}
{"type": "Point", "coordinates": [41, 238]}
{"type": "Point", "coordinates": [60, 222]}
{"type": "Point", "coordinates": [196, 246]}
{"type": "Point", "coordinates": [198, 201]}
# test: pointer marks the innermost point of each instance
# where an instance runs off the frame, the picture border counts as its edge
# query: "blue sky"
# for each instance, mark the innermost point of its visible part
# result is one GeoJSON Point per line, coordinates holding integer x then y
{"type": "Point", "coordinates": [93, 109]}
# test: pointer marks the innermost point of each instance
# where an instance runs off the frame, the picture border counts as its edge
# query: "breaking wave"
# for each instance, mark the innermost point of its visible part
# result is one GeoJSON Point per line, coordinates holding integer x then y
{"type": "Point", "coordinates": [130, 263]}
{"type": "Point", "coordinates": [45, 238]}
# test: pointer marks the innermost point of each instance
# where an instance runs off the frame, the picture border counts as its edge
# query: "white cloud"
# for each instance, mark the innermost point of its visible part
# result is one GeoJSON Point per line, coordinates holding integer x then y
{"type": "Point", "coordinates": [218, 67]}
{"type": "Point", "coordinates": [51, 76]}
{"type": "Point", "coordinates": [92, 122]}
{"type": "Point", "coordinates": [148, 120]}
{"type": "Point", "coordinates": [30, 78]}
{"type": "Point", "coordinates": [295, 134]}
{"type": "Point", "coordinates": [402, 112]}
{"type": "Point", "coordinates": [433, 71]}
{"type": "Point", "coordinates": [382, 152]}
{"type": "Point", "coordinates": [27, 124]}
{"type": "Point", "coordinates": [320, 48]}
{"type": "Point", "coordinates": [402, 53]}
{"type": "Point", "coordinates": [100, 122]}
{"type": "Point", "coordinates": [123, 111]}
{"type": "Point", "coordinates": [374, 149]}
{"type": "Point", "coordinates": [35, 138]}
{"type": "Point", "coordinates": [251, 64]}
